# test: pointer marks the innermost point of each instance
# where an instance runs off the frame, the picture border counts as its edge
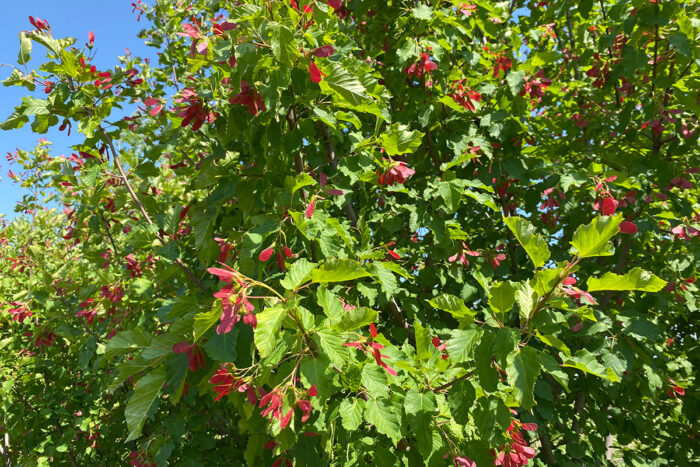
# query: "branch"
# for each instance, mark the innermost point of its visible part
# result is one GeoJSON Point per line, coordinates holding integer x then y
{"type": "Point", "coordinates": [573, 44]}
{"type": "Point", "coordinates": [323, 128]}
{"type": "Point", "coordinates": [447, 385]}
{"type": "Point", "coordinates": [188, 272]}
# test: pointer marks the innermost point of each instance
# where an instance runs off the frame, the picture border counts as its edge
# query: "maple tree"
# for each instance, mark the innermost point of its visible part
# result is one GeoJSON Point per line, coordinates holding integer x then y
{"type": "Point", "coordinates": [358, 233]}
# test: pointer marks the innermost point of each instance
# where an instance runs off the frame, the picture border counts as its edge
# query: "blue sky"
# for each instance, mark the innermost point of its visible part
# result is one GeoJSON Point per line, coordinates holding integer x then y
{"type": "Point", "coordinates": [115, 29]}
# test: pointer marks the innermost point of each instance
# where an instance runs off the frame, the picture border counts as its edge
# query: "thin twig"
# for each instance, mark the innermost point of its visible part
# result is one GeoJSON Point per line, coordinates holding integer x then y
{"type": "Point", "coordinates": [142, 209]}
{"type": "Point", "coordinates": [447, 385]}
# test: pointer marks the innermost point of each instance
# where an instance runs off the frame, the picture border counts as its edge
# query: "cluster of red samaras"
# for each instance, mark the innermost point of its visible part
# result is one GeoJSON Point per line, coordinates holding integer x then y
{"type": "Point", "coordinates": [374, 348]}
{"type": "Point", "coordinates": [238, 293]}
{"type": "Point", "coordinates": [397, 173]}
{"type": "Point", "coordinates": [518, 452]}
{"type": "Point", "coordinates": [140, 459]}
{"type": "Point", "coordinates": [195, 356]}
{"type": "Point", "coordinates": [271, 402]}
{"type": "Point", "coordinates": [285, 251]}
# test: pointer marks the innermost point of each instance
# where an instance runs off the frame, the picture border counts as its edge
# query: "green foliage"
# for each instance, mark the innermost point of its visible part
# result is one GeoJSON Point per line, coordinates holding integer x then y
{"type": "Point", "coordinates": [379, 234]}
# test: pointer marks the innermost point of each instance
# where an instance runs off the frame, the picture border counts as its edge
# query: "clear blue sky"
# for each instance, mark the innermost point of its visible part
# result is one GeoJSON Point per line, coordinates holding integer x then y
{"type": "Point", "coordinates": [115, 29]}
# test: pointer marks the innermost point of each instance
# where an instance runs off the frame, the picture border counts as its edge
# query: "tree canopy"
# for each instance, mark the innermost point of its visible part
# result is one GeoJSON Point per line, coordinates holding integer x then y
{"type": "Point", "coordinates": [358, 233]}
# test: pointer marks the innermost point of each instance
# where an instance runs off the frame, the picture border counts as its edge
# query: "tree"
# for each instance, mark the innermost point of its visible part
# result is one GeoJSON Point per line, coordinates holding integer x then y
{"type": "Point", "coordinates": [360, 233]}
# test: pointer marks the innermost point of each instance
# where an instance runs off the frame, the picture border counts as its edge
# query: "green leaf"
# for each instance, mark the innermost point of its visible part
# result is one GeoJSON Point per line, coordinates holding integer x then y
{"type": "Point", "coordinates": [501, 297]}
{"type": "Point", "coordinates": [203, 321]}
{"type": "Point", "coordinates": [461, 345]}
{"type": "Point", "coordinates": [25, 49]}
{"type": "Point", "coordinates": [419, 408]}
{"type": "Point", "coordinates": [383, 415]}
{"type": "Point", "coordinates": [636, 279]}
{"type": "Point", "coordinates": [331, 343]}
{"type": "Point", "coordinates": [586, 361]}
{"type": "Point", "coordinates": [515, 80]}
{"type": "Point", "coordinates": [222, 347]}
{"type": "Point", "coordinates": [400, 140]}
{"type": "Point", "coordinates": [423, 11]}
{"type": "Point", "coordinates": [16, 120]}
{"type": "Point", "coordinates": [375, 380]}
{"type": "Point", "coordinates": [330, 304]}
{"type": "Point", "coordinates": [343, 84]}
{"type": "Point", "coordinates": [533, 243]}
{"type": "Point", "coordinates": [126, 341]}
{"type": "Point", "coordinates": [338, 270]}
{"type": "Point", "coordinates": [592, 239]}
{"type": "Point", "coordinates": [551, 366]}
{"type": "Point", "coordinates": [523, 369]}
{"type": "Point", "coordinates": [356, 318]}
{"type": "Point", "coordinates": [460, 398]}
{"type": "Point", "coordinates": [284, 46]}
{"type": "Point", "coordinates": [423, 343]}
{"type": "Point", "coordinates": [681, 42]}
{"type": "Point", "coordinates": [526, 298]}
{"type": "Point", "coordinates": [297, 274]}
{"type": "Point", "coordinates": [351, 410]}
{"type": "Point", "coordinates": [32, 106]}
{"type": "Point", "coordinates": [268, 329]}
{"type": "Point", "coordinates": [145, 393]}
{"type": "Point", "coordinates": [317, 371]}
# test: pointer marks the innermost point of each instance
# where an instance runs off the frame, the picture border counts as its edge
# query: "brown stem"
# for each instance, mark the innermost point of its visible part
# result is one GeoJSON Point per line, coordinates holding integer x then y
{"type": "Point", "coordinates": [656, 52]}
{"type": "Point", "coordinates": [400, 319]}
{"type": "Point", "coordinates": [431, 148]}
{"type": "Point", "coordinates": [547, 450]}
{"type": "Point", "coordinates": [447, 385]}
{"type": "Point", "coordinates": [109, 235]}
{"type": "Point", "coordinates": [572, 43]}
{"type": "Point", "coordinates": [188, 272]}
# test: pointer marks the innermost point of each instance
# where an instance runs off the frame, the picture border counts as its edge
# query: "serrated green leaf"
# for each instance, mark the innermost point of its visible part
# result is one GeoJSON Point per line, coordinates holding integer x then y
{"type": "Point", "coordinates": [551, 366]}
{"type": "Point", "coordinates": [592, 239]}
{"type": "Point", "coordinates": [451, 304]}
{"type": "Point", "coordinates": [351, 411]}
{"type": "Point", "coordinates": [331, 343]}
{"type": "Point", "coordinates": [25, 49]}
{"type": "Point", "coordinates": [343, 84]}
{"type": "Point", "coordinates": [356, 318]}
{"type": "Point", "coordinates": [222, 347]}
{"type": "Point", "coordinates": [204, 321]}
{"type": "Point", "coordinates": [399, 139]}
{"type": "Point", "coordinates": [423, 343]}
{"type": "Point", "coordinates": [460, 398]}
{"type": "Point", "coordinates": [423, 11]}
{"type": "Point", "coordinates": [460, 346]}
{"type": "Point", "coordinates": [523, 369]}
{"type": "Point", "coordinates": [338, 270]}
{"type": "Point", "coordinates": [636, 279]}
{"type": "Point", "coordinates": [297, 274]}
{"type": "Point", "coordinates": [501, 297]}
{"type": "Point", "coordinates": [268, 329]}
{"type": "Point", "coordinates": [127, 341]}
{"type": "Point", "coordinates": [318, 372]}
{"type": "Point", "coordinates": [533, 243]}
{"type": "Point", "coordinates": [383, 415]}
{"type": "Point", "coordinates": [374, 378]}
{"type": "Point", "coordinates": [284, 46]}
{"type": "Point", "coordinates": [140, 403]}
{"type": "Point", "coordinates": [419, 407]}
{"type": "Point", "coordinates": [586, 361]}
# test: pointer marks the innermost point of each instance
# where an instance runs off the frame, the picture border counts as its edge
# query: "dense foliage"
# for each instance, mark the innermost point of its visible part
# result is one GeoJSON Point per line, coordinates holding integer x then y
{"type": "Point", "coordinates": [359, 233]}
